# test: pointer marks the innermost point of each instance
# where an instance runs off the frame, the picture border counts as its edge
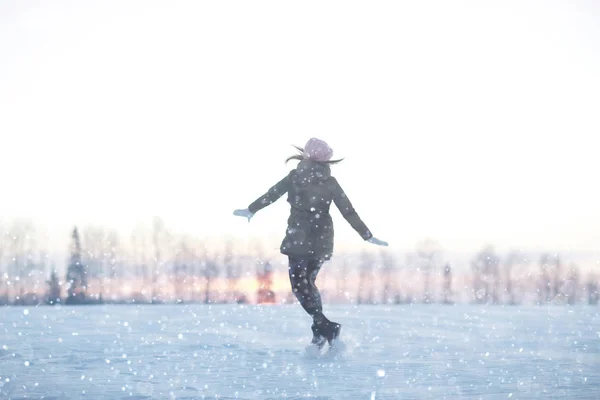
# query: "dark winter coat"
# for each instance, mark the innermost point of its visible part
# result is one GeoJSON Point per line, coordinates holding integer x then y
{"type": "Point", "coordinates": [311, 189]}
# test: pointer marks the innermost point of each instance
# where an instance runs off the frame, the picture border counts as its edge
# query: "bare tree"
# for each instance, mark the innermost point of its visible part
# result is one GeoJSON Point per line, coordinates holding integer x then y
{"type": "Point", "coordinates": [160, 238]}
{"type": "Point", "coordinates": [22, 249]}
{"type": "Point", "coordinates": [4, 295]}
{"type": "Point", "coordinates": [525, 279]}
{"type": "Point", "coordinates": [139, 258]}
{"type": "Point", "coordinates": [388, 269]}
{"type": "Point", "coordinates": [557, 281]}
{"type": "Point", "coordinates": [485, 266]}
{"type": "Point", "coordinates": [115, 256]}
{"type": "Point", "coordinates": [365, 279]}
{"type": "Point", "coordinates": [94, 257]}
{"type": "Point", "coordinates": [409, 282]}
{"type": "Point", "coordinates": [428, 251]}
{"type": "Point", "coordinates": [233, 272]}
{"type": "Point", "coordinates": [478, 282]}
{"type": "Point", "coordinates": [53, 294]}
{"type": "Point", "coordinates": [513, 258]}
{"type": "Point", "coordinates": [195, 269]}
{"type": "Point", "coordinates": [210, 271]}
{"type": "Point", "coordinates": [447, 290]}
{"type": "Point", "coordinates": [571, 285]}
{"type": "Point", "coordinates": [182, 267]}
{"type": "Point", "coordinates": [158, 227]}
{"type": "Point", "coordinates": [39, 275]}
{"type": "Point", "coordinates": [593, 292]}
{"type": "Point", "coordinates": [342, 272]}
{"type": "Point", "coordinates": [545, 281]}
{"type": "Point", "coordinates": [494, 274]}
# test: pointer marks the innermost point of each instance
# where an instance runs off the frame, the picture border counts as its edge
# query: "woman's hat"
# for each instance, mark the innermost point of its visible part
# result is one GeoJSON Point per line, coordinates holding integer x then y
{"type": "Point", "coordinates": [318, 150]}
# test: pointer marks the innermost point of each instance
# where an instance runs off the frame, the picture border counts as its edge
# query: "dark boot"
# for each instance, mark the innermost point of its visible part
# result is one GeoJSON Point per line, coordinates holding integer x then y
{"type": "Point", "coordinates": [326, 328]}
{"type": "Point", "coordinates": [318, 339]}
{"type": "Point", "coordinates": [331, 331]}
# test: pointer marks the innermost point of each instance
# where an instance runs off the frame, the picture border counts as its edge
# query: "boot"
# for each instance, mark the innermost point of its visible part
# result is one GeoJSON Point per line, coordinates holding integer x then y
{"type": "Point", "coordinates": [318, 339]}
{"type": "Point", "coordinates": [331, 331]}
{"type": "Point", "coordinates": [326, 328]}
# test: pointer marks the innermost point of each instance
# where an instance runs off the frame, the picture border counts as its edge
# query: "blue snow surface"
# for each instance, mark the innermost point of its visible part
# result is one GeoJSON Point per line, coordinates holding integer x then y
{"type": "Point", "coordinates": [260, 352]}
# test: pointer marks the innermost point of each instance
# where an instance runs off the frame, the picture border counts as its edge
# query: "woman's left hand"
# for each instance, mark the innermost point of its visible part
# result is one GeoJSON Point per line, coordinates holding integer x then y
{"type": "Point", "coordinates": [243, 213]}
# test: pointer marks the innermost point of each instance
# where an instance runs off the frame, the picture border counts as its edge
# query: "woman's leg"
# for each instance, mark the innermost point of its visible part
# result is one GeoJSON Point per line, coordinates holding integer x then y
{"type": "Point", "coordinates": [303, 274]}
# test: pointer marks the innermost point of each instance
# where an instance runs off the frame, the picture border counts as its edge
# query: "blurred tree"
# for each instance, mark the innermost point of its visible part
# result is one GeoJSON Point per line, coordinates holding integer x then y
{"type": "Point", "coordinates": [557, 281]}
{"type": "Point", "coordinates": [592, 290]}
{"type": "Point", "coordinates": [94, 258]}
{"type": "Point", "coordinates": [485, 268]}
{"type": "Point", "coordinates": [341, 282]}
{"type": "Point", "coordinates": [233, 272]}
{"type": "Point", "coordinates": [114, 264]}
{"type": "Point", "coordinates": [53, 293]}
{"type": "Point", "coordinates": [428, 251]}
{"type": "Point", "coordinates": [139, 258]}
{"type": "Point", "coordinates": [76, 273]}
{"type": "Point", "coordinates": [210, 271]}
{"type": "Point", "coordinates": [182, 269]}
{"type": "Point", "coordinates": [447, 290]}
{"type": "Point", "coordinates": [365, 293]}
{"type": "Point", "coordinates": [388, 272]}
{"type": "Point", "coordinates": [544, 280]}
{"type": "Point", "coordinates": [571, 284]}
{"type": "Point", "coordinates": [195, 273]}
{"type": "Point", "coordinates": [4, 299]}
{"type": "Point", "coordinates": [264, 276]}
{"type": "Point", "coordinates": [158, 239]}
{"type": "Point", "coordinates": [411, 261]}
{"type": "Point", "coordinates": [39, 275]}
{"type": "Point", "coordinates": [22, 249]}
{"type": "Point", "coordinates": [513, 258]}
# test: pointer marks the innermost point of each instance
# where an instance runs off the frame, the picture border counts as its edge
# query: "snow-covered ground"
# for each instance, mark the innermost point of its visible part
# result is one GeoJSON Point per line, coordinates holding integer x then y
{"type": "Point", "coordinates": [258, 352]}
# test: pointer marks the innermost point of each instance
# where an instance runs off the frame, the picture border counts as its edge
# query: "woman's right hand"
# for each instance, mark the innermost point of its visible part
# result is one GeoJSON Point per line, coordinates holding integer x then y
{"type": "Point", "coordinates": [378, 242]}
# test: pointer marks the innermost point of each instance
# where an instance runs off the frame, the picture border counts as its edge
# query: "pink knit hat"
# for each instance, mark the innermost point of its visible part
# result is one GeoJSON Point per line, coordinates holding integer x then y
{"type": "Point", "coordinates": [318, 150]}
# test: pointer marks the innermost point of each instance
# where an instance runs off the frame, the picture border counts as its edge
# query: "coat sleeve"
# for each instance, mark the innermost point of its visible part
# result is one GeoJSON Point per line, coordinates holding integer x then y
{"type": "Point", "coordinates": [272, 195]}
{"type": "Point", "coordinates": [348, 212]}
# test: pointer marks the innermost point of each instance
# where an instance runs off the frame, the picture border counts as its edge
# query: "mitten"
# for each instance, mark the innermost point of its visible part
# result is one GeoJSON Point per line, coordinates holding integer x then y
{"type": "Point", "coordinates": [243, 213]}
{"type": "Point", "coordinates": [376, 241]}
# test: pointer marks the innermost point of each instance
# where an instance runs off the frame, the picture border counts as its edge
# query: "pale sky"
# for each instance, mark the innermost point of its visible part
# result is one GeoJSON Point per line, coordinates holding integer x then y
{"type": "Point", "coordinates": [470, 122]}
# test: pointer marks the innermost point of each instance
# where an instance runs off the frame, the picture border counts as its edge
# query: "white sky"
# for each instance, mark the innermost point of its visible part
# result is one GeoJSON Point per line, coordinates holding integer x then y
{"type": "Point", "coordinates": [466, 121]}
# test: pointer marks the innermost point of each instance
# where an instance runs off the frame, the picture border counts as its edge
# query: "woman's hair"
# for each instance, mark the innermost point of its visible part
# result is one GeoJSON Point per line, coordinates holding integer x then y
{"type": "Point", "coordinates": [301, 157]}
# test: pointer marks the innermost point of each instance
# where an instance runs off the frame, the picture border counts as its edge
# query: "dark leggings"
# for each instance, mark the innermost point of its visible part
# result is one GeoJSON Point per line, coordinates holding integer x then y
{"type": "Point", "coordinates": [303, 273]}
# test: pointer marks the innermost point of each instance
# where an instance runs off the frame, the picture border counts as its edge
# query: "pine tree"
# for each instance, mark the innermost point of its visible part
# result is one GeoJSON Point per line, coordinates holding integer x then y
{"type": "Point", "coordinates": [53, 296]}
{"type": "Point", "coordinates": [76, 273]}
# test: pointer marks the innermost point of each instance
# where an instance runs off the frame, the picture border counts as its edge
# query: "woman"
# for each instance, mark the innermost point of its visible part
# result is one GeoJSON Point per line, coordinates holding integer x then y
{"type": "Point", "coordinates": [308, 242]}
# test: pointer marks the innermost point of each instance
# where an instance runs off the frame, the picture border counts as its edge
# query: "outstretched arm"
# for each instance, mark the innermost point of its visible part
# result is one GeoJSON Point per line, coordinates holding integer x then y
{"type": "Point", "coordinates": [272, 195]}
{"type": "Point", "coordinates": [348, 212]}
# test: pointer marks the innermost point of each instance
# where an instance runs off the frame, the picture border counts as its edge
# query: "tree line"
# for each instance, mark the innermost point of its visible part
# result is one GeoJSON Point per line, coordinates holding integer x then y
{"type": "Point", "coordinates": [155, 265]}
{"type": "Point", "coordinates": [489, 278]}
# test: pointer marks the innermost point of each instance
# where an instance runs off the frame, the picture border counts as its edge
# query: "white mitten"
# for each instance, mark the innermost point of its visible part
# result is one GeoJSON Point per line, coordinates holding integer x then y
{"type": "Point", "coordinates": [243, 213]}
{"type": "Point", "coordinates": [378, 242]}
